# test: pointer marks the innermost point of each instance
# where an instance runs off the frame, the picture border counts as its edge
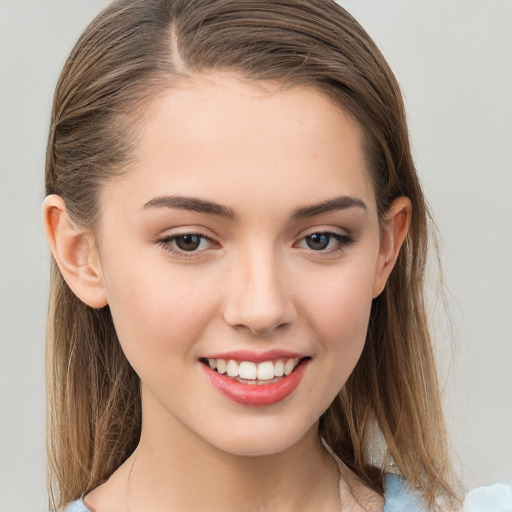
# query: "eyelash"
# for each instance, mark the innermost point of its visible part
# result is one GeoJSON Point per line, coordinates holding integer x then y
{"type": "Point", "coordinates": [168, 243]}
{"type": "Point", "coordinates": [343, 241]}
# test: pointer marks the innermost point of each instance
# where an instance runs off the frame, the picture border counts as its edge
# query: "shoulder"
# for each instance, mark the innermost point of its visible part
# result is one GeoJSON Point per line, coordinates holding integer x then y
{"type": "Point", "coordinates": [490, 498]}
{"type": "Point", "coordinates": [76, 506]}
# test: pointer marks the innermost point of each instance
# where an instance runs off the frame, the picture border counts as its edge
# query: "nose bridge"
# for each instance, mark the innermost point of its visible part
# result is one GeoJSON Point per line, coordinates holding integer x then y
{"type": "Point", "coordinates": [259, 298]}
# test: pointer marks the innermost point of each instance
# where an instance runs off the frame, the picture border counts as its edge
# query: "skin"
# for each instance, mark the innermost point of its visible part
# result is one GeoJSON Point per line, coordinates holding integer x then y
{"type": "Point", "coordinates": [261, 152]}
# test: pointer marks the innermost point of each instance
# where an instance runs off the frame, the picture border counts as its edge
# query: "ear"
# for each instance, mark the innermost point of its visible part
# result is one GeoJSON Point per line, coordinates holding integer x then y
{"type": "Point", "coordinates": [75, 253]}
{"type": "Point", "coordinates": [396, 226]}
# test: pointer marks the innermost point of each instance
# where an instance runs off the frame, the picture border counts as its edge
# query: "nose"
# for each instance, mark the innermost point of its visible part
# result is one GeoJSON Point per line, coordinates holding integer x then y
{"type": "Point", "coordinates": [258, 298]}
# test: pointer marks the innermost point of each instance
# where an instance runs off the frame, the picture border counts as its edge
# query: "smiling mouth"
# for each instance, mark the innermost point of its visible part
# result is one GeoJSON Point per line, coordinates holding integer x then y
{"type": "Point", "coordinates": [251, 373]}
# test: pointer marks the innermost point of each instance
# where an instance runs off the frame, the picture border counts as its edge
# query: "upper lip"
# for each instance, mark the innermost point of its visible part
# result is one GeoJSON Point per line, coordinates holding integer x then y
{"type": "Point", "coordinates": [257, 357]}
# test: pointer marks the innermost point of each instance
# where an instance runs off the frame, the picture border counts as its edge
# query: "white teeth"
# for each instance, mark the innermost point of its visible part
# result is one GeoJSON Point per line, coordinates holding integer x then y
{"type": "Point", "coordinates": [279, 368]}
{"type": "Point", "coordinates": [221, 366]}
{"type": "Point", "coordinates": [232, 368]}
{"type": "Point", "coordinates": [253, 372]}
{"type": "Point", "coordinates": [265, 370]}
{"type": "Point", "coordinates": [289, 366]}
{"type": "Point", "coordinates": [247, 370]}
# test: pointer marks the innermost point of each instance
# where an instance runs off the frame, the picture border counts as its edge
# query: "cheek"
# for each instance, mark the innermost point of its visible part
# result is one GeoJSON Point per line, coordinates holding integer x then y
{"type": "Point", "coordinates": [339, 313]}
{"type": "Point", "coordinates": [338, 316]}
{"type": "Point", "coordinates": [156, 311]}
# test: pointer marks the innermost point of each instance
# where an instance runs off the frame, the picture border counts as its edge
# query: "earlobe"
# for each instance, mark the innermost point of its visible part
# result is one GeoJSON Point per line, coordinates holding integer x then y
{"type": "Point", "coordinates": [396, 227]}
{"type": "Point", "coordinates": [74, 252]}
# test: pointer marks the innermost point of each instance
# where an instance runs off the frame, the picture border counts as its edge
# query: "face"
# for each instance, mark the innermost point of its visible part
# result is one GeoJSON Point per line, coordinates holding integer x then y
{"type": "Point", "coordinates": [244, 238]}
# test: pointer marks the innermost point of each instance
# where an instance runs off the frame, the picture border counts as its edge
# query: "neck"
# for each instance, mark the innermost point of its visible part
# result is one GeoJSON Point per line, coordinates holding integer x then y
{"type": "Point", "coordinates": [193, 475]}
{"type": "Point", "coordinates": [175, 469]}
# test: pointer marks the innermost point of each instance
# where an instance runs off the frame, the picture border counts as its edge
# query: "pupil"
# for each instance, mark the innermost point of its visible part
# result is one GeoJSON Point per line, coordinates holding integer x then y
{"type": "Point", "coordinates": [318, 241]}
{"type": "Point", "coordinates": [188, 242]}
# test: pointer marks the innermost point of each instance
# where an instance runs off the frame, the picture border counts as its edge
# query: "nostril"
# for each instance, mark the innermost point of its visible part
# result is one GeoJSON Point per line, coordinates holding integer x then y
{"type": "Point", "coordinates": [258, 328]}
{"type": "Point", "coordinates": [268, 329]}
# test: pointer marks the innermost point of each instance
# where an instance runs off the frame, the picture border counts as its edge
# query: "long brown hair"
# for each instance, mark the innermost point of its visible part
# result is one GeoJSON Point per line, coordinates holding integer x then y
{"type": "Point", "coordinates": [129, 53]}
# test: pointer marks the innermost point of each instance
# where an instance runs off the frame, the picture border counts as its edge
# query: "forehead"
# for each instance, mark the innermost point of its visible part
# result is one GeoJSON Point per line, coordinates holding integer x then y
{"type": "Point", "coordinates": [223, 139]}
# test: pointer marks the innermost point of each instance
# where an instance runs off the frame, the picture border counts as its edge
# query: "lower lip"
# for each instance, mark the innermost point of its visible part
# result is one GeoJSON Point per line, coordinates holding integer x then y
{"type": "Point", "coordinates": [257, 395]}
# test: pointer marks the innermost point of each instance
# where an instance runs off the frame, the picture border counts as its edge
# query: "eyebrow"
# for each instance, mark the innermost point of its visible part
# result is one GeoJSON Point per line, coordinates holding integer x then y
{"type": "Point", "coordinates": [337, 203]}
{"type": "Point", "coordinates": [202, 206]}
{"type": "Point", "coordinates": [190, 203]}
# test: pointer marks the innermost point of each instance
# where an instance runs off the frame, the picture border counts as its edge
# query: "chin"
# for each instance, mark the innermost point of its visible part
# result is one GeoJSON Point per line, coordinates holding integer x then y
{"type": "Point", "coordinates": [262, 442]}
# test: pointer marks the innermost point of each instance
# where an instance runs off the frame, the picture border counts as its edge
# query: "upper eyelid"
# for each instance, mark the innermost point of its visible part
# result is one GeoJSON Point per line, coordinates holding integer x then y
{"type": "Point", "coordinates": [328, 230]}
{"type": "Point", "coordinates": [185, 229]}
{"type": "Point", "coordinates": [177, 231]}
{"type": "Point", "coordinates": [171, 236]}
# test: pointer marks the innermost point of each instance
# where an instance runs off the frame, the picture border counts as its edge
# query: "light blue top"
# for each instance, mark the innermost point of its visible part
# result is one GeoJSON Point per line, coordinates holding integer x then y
{"type": "Point", "coordinates": [399, 498]}
{"type": "Point", "coordinates": [491, 498]}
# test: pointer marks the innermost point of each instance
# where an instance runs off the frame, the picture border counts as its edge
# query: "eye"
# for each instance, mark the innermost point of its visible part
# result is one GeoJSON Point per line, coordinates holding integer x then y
{"type": "Point", "coordinates": [325, 241]}
{"type": "Point", "coordinates": [186, 243]}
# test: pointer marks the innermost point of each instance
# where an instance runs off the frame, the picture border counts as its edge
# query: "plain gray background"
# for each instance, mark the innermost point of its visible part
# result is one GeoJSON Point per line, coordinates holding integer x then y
{"type": "Point", "coordinates": [453, 59]}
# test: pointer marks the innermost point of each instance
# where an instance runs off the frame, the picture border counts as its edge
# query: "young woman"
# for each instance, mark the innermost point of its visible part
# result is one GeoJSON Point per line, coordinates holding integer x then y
{"type": "Point", "coordinates": [239, 240]}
